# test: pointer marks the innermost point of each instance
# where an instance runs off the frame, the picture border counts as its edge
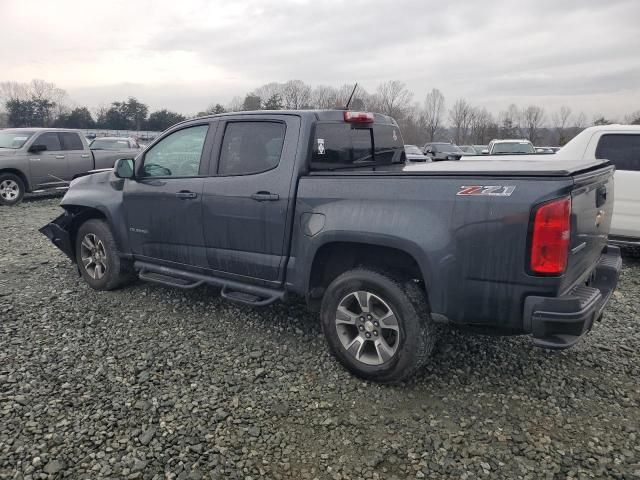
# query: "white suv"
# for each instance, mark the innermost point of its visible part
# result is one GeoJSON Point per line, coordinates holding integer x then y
{"type": "Point", "coordinates": [619, 144]}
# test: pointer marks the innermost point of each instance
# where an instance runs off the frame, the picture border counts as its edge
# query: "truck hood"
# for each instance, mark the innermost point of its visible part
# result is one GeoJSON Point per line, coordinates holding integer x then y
{"type": "Point", "coordinates": [7, 152]}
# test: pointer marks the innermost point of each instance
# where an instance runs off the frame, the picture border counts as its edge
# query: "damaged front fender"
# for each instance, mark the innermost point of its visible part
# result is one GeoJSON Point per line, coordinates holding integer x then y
{"type": "Point", "coordinates": [59, 232]}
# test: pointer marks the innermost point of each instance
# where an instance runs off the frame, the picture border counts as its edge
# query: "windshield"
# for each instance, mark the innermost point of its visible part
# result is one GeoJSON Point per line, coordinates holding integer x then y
{"type": "Point", "coordinates": [412, 149]}
{"type": "Point", "coordinates": [109, 144]}
{"type": "Point", "coordinates": [14, 138]}
{"type": "Point", "coordinates": [513, 147]}
{"type": "Point", "coordinates": [447, 148]}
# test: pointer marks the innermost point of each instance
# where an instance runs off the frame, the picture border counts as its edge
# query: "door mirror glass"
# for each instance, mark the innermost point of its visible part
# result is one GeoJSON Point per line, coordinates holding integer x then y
{"type": "Point", "coordinates": [124, 168]}
{"type": "Point", "coordinates": [37, 148]}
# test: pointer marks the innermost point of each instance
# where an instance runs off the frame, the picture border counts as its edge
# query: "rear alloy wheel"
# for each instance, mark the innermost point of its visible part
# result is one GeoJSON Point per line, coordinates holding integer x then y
{"type": "Point", "coordinates": [367, 328]}
{"type": "Point", "coordinates": [377, 325]}
{"type": "Point", "coordinates": [11, 189]}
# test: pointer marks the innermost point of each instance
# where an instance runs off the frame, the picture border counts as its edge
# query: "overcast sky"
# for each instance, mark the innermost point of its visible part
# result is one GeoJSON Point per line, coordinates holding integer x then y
{"type": "Point", "coordinates": [187, 54]}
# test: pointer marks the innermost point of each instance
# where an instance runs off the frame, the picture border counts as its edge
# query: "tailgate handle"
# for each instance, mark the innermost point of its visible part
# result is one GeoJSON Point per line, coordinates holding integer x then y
{"type": "Point", "coordinates": [601, 196]}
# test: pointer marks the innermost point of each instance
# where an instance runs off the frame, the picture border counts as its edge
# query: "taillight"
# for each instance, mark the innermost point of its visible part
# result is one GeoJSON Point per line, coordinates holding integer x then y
{"type": "Point", "coordinates": [551, 237]}
{"type": "Point", "coordinates": [358, 117]}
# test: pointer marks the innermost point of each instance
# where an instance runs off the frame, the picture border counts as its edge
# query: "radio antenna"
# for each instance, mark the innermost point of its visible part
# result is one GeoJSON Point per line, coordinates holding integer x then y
{"type": "Point", "coordinates": [351, 96]}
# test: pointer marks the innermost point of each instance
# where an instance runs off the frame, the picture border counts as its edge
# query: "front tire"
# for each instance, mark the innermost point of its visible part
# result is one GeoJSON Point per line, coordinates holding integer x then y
{"type": "Point", "coordinates": [377, 325]}
{"type": "Point", "coordinates": [12, 189]}
{"type": "Point", "coordinates": [97, 257]}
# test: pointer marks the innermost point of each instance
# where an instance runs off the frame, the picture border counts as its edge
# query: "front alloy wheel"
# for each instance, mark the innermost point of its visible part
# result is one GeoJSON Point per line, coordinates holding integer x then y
{"type": "Point", "coordinates": [94, 256]}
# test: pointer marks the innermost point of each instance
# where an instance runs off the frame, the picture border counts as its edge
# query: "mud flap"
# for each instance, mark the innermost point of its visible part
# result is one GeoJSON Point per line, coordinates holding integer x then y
{"type": "Point", "coordinates": [58, 232]}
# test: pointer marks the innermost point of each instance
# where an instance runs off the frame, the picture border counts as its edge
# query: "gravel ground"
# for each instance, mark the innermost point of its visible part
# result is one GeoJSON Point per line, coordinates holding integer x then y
{"type": "Point", "coordinates": [149, 382]}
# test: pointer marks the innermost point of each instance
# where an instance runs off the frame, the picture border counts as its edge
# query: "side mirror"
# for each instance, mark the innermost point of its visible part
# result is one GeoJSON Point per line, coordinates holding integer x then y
{"type": "Point", "coordinates": [37, 147]}
{"type": "Point", "coordinates": [485, 152]}
{"type": "Point", "coordinates": [124, 168]}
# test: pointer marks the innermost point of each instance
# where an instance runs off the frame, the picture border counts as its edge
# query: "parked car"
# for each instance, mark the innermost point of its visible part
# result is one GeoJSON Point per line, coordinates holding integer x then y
{"type": "Point", "coordinates": [544, 150]}
{"type": "Point", "coordinates": [320, 204]}
{"type": "Point", "coordinates": [442, 151]}
{"type": "Point", "coordinates": [620, 144]}
{"type": "Point", "coordinates": [33, 159]}
{"type": "Point", "coordinates": [480, 149]}
{"type": "Point", "coordinates": [414, 154]}
{"type": "Point", "coordinates": [509, 147]}
{"type": "Point", "coordinates": [468, 149]}
{"type": "Point", "coordinates": [122, 144]}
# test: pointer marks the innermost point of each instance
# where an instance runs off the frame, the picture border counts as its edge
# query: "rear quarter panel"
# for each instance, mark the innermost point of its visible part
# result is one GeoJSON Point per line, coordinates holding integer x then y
{"type": "Point", "coordinates": [472, 250]}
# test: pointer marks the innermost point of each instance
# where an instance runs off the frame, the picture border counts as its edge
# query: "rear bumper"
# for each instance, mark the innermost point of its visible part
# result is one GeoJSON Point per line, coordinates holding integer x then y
{"type": "Point", "coordinates": [621, 241]}
{"type": "Point", "coordinates": [559, 322]}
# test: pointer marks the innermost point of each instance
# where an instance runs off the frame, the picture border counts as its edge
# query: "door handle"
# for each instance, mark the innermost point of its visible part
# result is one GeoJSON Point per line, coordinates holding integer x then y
{"type": "Point", "coordinates": [59, 156]}
{"type": "Point", "coordinates": [186, 195]}
{"type": "Point", "coordinates": [265, 196]}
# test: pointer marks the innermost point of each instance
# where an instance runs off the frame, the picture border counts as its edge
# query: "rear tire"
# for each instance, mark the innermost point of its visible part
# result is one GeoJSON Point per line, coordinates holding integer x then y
{"type": "Point", "coordinates": [377, 325]}
{"type": "Point", "coordinates": [12, 189]}
{"type": "Point", "coordinates": [97, 257]}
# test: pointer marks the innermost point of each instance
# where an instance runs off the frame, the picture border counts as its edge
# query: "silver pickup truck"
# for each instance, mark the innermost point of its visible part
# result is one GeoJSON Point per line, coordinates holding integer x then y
{"type": "Point", "coordinates": [33, 159]}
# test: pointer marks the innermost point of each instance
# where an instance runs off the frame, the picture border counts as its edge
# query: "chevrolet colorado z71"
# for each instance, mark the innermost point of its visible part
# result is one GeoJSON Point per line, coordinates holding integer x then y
{"type": "Point", "coordinates": [33, 159]}
{"type": "Point", "coordinates": [320, 204]}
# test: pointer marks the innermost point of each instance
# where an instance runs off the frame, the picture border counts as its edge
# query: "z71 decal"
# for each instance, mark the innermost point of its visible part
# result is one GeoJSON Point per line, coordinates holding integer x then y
{"type": "Point", "coordinates": [490, 190]}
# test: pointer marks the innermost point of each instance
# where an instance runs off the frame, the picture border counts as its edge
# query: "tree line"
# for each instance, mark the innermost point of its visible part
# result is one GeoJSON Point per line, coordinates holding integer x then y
{"type": "Point", "coordinates": [427, 119]}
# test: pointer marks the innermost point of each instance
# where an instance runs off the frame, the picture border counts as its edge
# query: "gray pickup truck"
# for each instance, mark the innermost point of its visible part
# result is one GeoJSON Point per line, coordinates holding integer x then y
{"type": "Point", "coordinates": [33, 159]}
{"type": "Point", "coordinates": [320, 204]}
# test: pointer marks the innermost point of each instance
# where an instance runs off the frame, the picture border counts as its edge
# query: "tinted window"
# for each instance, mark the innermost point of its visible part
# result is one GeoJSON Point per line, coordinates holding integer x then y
{"type": "Point", "coordinates": [71, 141]}
{"type": "Point", "coordinates": [388, 144]}
{"type": "Point", "coordinates": [513, 147]}
{"type": "Point", "coordinates": [177, 155]}
{"type": "Point", "coordinates": [251, 147]}
{"type": "Point", "coordinates": [50, 140]}
{"type": "Point", "coordinates": [339, 145]}
{"type": "Point", "coordinates": [622, 150]}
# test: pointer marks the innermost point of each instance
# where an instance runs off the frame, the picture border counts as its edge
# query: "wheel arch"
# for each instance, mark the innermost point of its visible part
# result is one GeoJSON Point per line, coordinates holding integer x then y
{"type": "Point", "coordinates": [338, 255]}
{"type": "Point", "coordinates": [20, 174]}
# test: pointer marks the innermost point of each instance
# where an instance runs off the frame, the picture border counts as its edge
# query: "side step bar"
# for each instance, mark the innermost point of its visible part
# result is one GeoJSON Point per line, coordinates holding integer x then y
{"type": "Point", "coordinates": [231, 289]}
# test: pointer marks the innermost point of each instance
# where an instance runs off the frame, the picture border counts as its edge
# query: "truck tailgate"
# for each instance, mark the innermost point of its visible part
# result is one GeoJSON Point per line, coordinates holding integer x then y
{"type": "Point", "coordinates": [591, 212]}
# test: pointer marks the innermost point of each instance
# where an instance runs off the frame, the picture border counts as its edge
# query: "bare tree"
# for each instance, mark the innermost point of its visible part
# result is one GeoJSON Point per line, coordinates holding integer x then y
{"type": "Point", "coordinates": [510, 122]}
{"type": "Point", "coordinates": [395, 98]}
{"type": "Point", "coordinates": [532, 119]}
{"type": "Point", "coordinates": [460, 116]}
{"type": "Point", "coordinates": [296, 95]}
{"type": "Point", "coordinates": [580, 121]}
{"type": "Point", "coordinates": [481, 122]}
{"type": "Point", "coordinates": [235, 105]}
{"type": "Point", "coordinates": [561, 121]}
{"type": "Point", "coordinates": [433, 110]}
{"type": "Point", "coordinates": [324, 97]}
{"type": "Point", "coordinates": [269, 90]}
{"type": "Point", "coordinates": [633, 118]}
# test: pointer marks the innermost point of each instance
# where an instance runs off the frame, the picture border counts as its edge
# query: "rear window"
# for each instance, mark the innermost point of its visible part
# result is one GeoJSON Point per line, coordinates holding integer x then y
{"type": "Point", "coordinates": [621, 150]}
{"type": "Point", "coordinates": [342, 145]}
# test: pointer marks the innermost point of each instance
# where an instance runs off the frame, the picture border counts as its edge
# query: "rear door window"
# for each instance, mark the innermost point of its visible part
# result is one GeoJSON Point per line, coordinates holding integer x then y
{"type": "Point", "coordinates": [251, 147]}
{"type": "Point", "coordinates": [49, 140]}
{"type": "Point", "coordinates": [623, 150]}
{"type": "Point", "coordinates": [71, 141]}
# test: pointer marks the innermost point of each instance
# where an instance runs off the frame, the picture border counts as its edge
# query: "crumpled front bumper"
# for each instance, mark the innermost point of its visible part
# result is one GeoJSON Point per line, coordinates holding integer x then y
{"type": "Point", "coordinates": [559, 322]}
{"type": "Point", "coordinates": [58, 231]}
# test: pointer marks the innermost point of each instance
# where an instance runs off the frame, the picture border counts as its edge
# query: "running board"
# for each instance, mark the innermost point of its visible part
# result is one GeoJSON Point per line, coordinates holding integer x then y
{"type": "Point", "coordinates": [231, 290]}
